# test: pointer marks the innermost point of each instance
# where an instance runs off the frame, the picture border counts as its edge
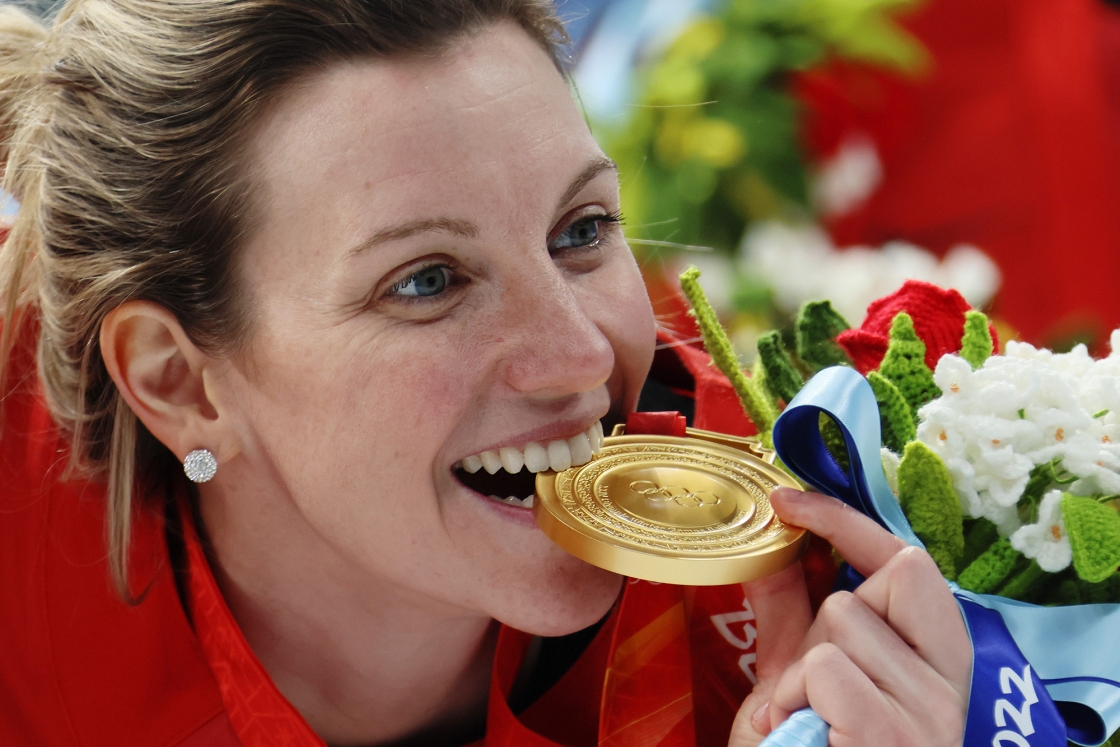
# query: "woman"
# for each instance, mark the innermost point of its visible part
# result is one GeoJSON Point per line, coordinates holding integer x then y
{"type": "Point", "coordinates": [345, 252]}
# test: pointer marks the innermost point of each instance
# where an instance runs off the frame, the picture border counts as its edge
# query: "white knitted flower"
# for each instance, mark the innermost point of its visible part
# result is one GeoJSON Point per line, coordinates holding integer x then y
{"type": "Point", "coordinates": [1025, 408]}
{"type": "Point", "coordinates": [1046, 541]}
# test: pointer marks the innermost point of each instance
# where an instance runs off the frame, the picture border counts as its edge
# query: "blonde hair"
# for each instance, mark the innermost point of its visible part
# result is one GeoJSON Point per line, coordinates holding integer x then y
{"type": "Point", "coordinates": [123, 134]}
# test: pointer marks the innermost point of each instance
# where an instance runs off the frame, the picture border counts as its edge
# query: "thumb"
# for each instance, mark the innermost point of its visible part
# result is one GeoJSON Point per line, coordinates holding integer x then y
{"type": "Point", "coordinates": [782, 618]}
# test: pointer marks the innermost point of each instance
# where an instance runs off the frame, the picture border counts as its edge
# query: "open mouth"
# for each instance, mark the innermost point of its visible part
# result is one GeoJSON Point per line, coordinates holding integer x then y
{"type": "Point", "coordinates": [509, 475]}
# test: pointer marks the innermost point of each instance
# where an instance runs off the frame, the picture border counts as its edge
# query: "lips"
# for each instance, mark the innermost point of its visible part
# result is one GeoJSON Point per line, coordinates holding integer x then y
{"type": "Point", "coordinates": [508, 475]}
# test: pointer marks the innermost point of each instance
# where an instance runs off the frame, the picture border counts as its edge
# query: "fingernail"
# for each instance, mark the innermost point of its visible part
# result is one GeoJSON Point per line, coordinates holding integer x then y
{"type": "Point", "coordinates": [790, 494]}
{"type": "Point", "coordinates": [758, 715]}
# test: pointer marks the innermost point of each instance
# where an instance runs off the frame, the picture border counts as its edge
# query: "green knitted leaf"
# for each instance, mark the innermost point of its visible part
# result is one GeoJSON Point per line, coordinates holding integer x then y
{"type": "Point", "coordinates": [781, 377]}
{"type": "Point", "coordinates": [817, 326]}
{"type": "Point", "coordinates": [755, 402]}
{"type": "Point", "coordinates": [1076, 591]}
{"type": "Point", "coordinates": [1103, 592]}
{"type": "Point", "coordinates": [925, 490]}
{"type": "Point", "coordinates": [979, 535]}
{"type": "Point", "coordinates": [1070, 592]}
{"type": "Point", "coordinates": [759, 378]}
{"type": "Point", "coordinates": [989, 570]}
{"type": "Point", "coordinates": [1024, 582]}
{"type": "Point", "coordinates": [976, 345]}
{"type": "Point", "coordinates": [895, 418]}
{"type": "Point", "coordinates": [1094, 535]}
{"type": "Point", "coordinates": [904, 365]}
{"type": "Point", "coordinates": [833, 439]}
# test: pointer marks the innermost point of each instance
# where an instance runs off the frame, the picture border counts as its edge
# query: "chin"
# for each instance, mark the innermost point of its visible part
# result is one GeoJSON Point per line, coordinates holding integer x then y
{"type": "Point", "coordinates": [571, 596]}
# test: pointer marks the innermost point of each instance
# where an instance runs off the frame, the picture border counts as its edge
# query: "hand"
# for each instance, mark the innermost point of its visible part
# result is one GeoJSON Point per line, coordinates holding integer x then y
{"type": "Point", "coordinates": [888, 664]}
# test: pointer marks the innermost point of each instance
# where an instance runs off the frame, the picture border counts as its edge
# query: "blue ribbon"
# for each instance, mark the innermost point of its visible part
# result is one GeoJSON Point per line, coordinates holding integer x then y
{"type": "Point", "coordinates": [1007, 703]}
{"type": "Point", "coordinates": [1040, 675]}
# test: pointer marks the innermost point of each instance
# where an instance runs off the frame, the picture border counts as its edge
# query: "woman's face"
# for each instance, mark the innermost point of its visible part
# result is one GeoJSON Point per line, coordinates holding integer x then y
{"type": "Point", "coordinates": [437, 273]}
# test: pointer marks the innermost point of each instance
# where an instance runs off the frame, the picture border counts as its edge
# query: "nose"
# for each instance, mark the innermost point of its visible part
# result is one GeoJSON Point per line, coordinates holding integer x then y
{"type": "Point", "coordinates": [558, 349]}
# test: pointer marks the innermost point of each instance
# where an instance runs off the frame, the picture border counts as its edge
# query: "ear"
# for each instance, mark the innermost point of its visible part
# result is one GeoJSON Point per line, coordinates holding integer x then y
{"type": "Point", "coordinates": [166, 379]}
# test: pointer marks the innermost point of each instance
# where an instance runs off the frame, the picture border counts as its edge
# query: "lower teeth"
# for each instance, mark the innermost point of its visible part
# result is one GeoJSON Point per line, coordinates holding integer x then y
{"type": "Point", "coordinates": [526, 502]}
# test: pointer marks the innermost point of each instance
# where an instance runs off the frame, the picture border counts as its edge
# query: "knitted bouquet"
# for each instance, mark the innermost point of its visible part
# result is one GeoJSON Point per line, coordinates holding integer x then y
{"type": "Point", "coordinates": [1006, 465]}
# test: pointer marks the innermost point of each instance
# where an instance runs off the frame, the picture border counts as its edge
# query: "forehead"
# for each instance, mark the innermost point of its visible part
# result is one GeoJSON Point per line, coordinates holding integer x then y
{"type": "Point", "coordinates": [474, 123]}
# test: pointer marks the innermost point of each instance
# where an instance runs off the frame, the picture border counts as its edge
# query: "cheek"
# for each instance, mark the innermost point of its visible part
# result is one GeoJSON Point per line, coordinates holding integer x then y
{"type": "Point", "coordinates": [349, 415]}
{"type": "Point", "coordinates": [623, 313]}
{"type": "Point", "coordinates": [352, 439]}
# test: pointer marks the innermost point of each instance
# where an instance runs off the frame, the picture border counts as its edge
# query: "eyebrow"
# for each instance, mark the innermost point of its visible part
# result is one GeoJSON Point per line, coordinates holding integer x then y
{"type": "Point", "coordinates": [590, 171]}
{"type": "Point", "coordinates": [466, 229]}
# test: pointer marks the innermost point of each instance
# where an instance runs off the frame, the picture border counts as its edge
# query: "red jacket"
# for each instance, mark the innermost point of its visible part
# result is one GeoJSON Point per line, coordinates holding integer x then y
{"type": "Point", "coordinates": [80, 667]}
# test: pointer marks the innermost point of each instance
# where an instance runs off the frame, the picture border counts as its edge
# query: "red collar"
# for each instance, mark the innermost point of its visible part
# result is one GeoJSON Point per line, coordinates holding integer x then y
{"type": "Point", "coordinates": [260, 715]}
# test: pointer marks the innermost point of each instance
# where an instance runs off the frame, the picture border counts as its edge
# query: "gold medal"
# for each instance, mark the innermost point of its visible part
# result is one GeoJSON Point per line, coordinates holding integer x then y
{"type": "Point", "coordinates": [692, 511]}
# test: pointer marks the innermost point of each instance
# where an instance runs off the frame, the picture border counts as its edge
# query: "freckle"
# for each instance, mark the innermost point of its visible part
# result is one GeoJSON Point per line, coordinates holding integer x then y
{"type": "Point", "coordinates": [944, 436]}
{"type": "Point", "coordinates": [1100, 464]}
{"type": "Point", "coordinates": [367, 184]}
{"type": "Point", "coordinates": [1061, 434]}
{"type": "Point", "coordinates": [995, 442]}
{"type": "Point", "coordinates": [1055, 532]}
{"type": "Point", "coordinates": [954, 387]}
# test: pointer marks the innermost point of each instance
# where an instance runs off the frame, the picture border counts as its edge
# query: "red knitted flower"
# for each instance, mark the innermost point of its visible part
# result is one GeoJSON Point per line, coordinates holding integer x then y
{"type": "Point", "coordinates": [938, 316]}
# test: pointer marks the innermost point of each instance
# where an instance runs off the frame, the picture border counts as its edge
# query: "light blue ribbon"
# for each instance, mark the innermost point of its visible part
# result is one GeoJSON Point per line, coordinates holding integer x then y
{"type": "Point", "coordinates": [1073, 651]}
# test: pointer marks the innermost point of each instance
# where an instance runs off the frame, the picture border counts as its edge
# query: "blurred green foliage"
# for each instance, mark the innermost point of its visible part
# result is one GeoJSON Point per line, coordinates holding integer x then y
{"type": "Point", "coordinates": [713, 141]}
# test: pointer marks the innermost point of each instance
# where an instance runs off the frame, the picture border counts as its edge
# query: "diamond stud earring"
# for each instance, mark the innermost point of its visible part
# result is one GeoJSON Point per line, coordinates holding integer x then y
{"type": "Point", "coordinates": [200, 465]}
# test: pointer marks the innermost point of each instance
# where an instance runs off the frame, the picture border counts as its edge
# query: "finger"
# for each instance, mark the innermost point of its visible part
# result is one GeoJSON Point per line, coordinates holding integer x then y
{"type": "Point", "coordinates": [751, 724]}
{"type": "Point", "coordinates": [826, 679]}
{"type": "Point", "coordinates": [859, 713]}
{"type": "Point", "coordinates": [858, 538]}
{"type": "Point", "coordinates": [782, 617]}
{"type": "Point", "coordinates": [846, 622]}
{"type": "Point", "coordinates": [910, 594]}
{"type": "Point", "coordinates": [904, 586]}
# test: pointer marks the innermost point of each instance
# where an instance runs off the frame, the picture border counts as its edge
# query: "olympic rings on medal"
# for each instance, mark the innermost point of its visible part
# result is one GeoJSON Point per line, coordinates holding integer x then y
{"type": "Point", "coordinates": [681, 496]}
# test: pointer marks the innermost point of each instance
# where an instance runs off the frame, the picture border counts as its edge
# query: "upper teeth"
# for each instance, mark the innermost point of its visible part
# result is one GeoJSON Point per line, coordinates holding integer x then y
{"type": "Point", "coordinates": [557, 455]}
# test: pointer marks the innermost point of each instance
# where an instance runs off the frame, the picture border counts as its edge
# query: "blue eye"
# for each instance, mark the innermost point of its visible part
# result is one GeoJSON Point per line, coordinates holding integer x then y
{"type": "Point", "coordinates": [585, 232]}
{"type": "Point", "coordinates": [580, 233]}
{"type": "Point", "coordinates": [431, 281]}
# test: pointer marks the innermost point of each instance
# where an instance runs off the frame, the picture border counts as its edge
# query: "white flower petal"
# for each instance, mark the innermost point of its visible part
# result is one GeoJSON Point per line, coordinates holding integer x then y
{"type": "Point", "coordinates": [1055, 556]}
{"type": "Point", "coordinates": [890, 468]}
{"type": "Point", "coordinates": [1046, 541]}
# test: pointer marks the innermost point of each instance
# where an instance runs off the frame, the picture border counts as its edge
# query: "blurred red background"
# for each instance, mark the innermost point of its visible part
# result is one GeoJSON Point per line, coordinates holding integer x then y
{"type": "Point", "coordinates": [1010, 142]}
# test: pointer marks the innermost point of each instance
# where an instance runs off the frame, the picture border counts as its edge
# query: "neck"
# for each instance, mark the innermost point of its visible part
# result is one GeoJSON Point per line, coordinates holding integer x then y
{"type": "Point", "coordinates": [365, 663]}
